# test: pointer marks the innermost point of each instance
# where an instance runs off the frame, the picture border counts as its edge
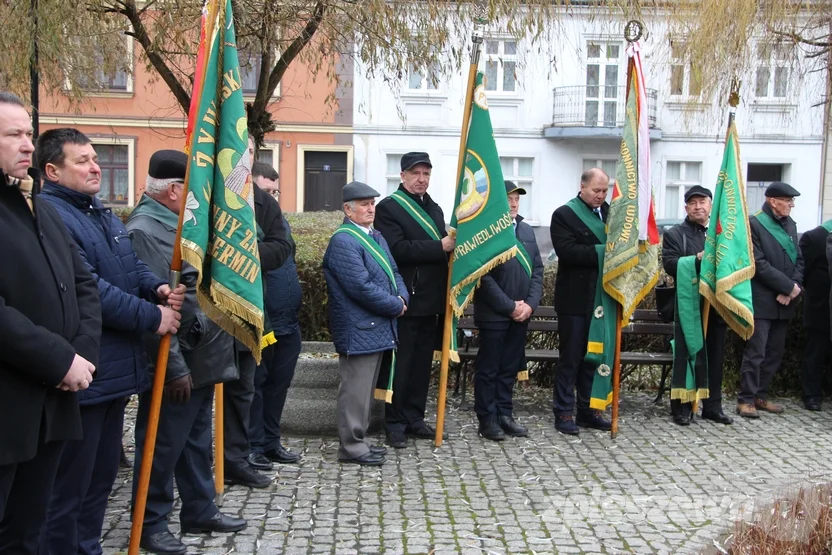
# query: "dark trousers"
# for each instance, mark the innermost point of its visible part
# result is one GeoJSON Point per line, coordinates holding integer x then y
{"type": "Point", "coordinates": [761, 359]}
{"type": "Point", "coordinates": [86, 475]}
{"type": "Point", "coordinates": [417, 336]}
{"type": "Point", "coordinates": [572, 374]}
{"type": "Point", "coordinates": [25, 490]}
{"type": "Point", "coordinates": [715, 348]}
{"type": "Point", "coordinates": [237, 399]}
{"type": "Point", "coordinates": [271, 384]}
{"type": "Point", "coordinates": [359, 374]}
{"type": "Point", "coordinates": [500, 357]}
{"type": "Point", "coordinates": [183, 446]}
{"type": "Point", "coordinates": [814, 364]}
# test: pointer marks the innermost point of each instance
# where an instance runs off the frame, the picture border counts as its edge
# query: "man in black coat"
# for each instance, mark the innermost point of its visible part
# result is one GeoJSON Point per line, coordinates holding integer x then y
{"type": "Point", "coordinates": [503, 303]}
{"type": "Point", "coordinates": [688, 239]}
{"type": "Point", "coordinates": [816, 285]}
{"type": "Point", "coordinates": [776, 283]}
{"type": "Point", "coordinates": [574, 244]}
{"type": "Point", "coordinates": [50, 331]}
{"type": "Point", "coordinates": [414, 227]}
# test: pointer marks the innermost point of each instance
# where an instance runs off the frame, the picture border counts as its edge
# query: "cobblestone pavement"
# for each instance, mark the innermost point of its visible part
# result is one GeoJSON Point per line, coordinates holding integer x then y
{"type": "Point", "coordinates": [658, 488]}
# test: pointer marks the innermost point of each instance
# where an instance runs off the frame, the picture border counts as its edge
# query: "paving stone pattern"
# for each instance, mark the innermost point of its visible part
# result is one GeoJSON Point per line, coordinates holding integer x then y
{"type": "Point", "coordinates": [658, 488]}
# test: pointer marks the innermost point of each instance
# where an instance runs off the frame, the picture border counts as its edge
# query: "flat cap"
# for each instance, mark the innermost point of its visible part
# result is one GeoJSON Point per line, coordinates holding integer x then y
{"type": "Point", "coordinates": [511, 187]}
{"type": "Point", "coordinates": [698, 191]}
{"type": "Point", "coordinates": [412, 158]}
{"type": "Point", "coordinates": [355, 190]}
{"type": "Point", "coordinates": [780, 189]}
{"type": "Point", "coordinates": [168, 164]}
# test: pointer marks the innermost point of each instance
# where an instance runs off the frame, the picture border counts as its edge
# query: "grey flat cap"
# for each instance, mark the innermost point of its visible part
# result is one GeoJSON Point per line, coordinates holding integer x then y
{"type": "Point", "coordinates": [783, 190]}
{"type": "Point", "coordinates": [356, 190]}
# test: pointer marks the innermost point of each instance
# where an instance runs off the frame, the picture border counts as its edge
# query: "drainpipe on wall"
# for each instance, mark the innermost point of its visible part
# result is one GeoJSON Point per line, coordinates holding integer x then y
{"type": "Point", "coordinates": [826, 154]}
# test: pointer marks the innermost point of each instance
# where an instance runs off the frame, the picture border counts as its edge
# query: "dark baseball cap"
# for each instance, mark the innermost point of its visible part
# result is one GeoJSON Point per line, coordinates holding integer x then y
{"type": "Point", "coordinates": [412, 158]}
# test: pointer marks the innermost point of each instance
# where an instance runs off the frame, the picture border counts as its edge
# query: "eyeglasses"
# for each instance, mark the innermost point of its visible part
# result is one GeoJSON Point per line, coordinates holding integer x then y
{"type": "Point", "coordinates": [787, 200]}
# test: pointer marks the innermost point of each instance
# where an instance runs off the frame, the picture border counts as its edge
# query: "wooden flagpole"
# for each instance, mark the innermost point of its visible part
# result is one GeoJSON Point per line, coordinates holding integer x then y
{"type": "Point", "coordinates": [158, 390]}
{"type": "Point", "coordinates": [448, 324]}
{"type": "Point", "coordinates": [219, 443]}
{"type": "Point", "coordinates": [616, 374]}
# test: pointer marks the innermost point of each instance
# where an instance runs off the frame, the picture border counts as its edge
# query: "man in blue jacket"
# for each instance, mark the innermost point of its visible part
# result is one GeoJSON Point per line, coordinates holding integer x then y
{"type": "Point", "coordinates": [275, 372]}
{"type": "Point", "coordinates": [503, 304]}
{"type": "Point", "coordinates": [132, 302]}
{"type": "Point", "coordinates": [366, 295]}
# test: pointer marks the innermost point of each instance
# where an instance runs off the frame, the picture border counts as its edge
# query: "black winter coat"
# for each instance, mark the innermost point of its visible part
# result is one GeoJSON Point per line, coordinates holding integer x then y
{"type": "Point", "coordinates": [509, 282]}
{"type": "Point", "coordinates": [815, 279]}
{"type": "Point", "coordinates": [577, 276]}
{"type": "Point", "coordinates": [49, 311]}
{"type": "Point", "coordinates": [685, 239]}
{"type": "Point", "coordinates": [283, 293]}
{"type": "Point", "coordinates": [422, 262]}
{"type": "Point", "coordinates": [274, 247]}
{"type": "Point", "coordinates": [776, 273]}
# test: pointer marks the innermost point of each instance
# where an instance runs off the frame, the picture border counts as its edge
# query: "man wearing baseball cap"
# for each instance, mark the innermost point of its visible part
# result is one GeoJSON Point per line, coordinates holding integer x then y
{"type": "Point", "coordinates": [687, 240]}
{"type": "Point", "coordinates": [414, 227]}
{"type": "Point", "coordinates": [776, 284]}
{"type": "Point", "coordinates": [503, 304]}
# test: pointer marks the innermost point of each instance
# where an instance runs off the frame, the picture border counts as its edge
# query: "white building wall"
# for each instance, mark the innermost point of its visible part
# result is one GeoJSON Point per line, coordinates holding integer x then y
{"type": "Point", "coordinates": [392, 122]}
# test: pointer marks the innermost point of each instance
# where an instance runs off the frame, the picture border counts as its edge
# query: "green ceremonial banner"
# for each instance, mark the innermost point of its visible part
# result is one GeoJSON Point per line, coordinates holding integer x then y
{"type": "Point", "coordinates": [728, 263]}
{"type": "Point", "coordinates": [219, 232]}
{"type": "Point", "coordinates": [481, 218]}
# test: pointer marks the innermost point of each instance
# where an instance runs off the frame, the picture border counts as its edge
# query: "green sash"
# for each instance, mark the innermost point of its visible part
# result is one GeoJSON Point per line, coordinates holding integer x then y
{"type": "Point", "coordinates": [590, 218]}
{"type": "Point", "coordinates": [600, 349]}
{"type": "Point", "coordinates": [417, 213]}
{"type": "Point", "coordinates": [689, 382]}
{"type": "Point", "coordinates": [778, 233]}
{"type": "Point", "coordinates": [827, 225]}
{"type": "Point", "coordinates": [524, 258]}
{"type": "Point", "coordinates": [384, 385]}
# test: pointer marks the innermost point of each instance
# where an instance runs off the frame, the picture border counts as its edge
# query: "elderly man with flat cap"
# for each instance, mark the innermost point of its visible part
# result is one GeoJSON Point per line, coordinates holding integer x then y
{"type": "Point", "coordinates": [200, 356]}
{"type": "Point", "coordinates": [682, 241]}
{"type": "Point", "coordinates": [503, 304]}
{"type": "Point", "coordinates": [414, 227]}
{"type": "Point", "coordinates": [366, 296]}
{"type": "Point", "coordinates": [776, 284]}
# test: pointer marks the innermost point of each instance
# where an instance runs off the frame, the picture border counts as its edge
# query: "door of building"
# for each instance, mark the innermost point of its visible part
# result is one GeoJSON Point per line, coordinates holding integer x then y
{"type": "Point", "coordinates": [324, 177]}
{"type": "Point", "coordinates": [758, 178]}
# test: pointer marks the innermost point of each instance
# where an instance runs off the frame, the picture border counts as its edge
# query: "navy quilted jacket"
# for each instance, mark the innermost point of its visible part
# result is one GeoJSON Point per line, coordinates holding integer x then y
{"type": "Point", "coordinates": [283, 293]}
{"type": "Point", "coordinates": [363, 305]}
{"type": "Point", "coordinates": [126, 286]}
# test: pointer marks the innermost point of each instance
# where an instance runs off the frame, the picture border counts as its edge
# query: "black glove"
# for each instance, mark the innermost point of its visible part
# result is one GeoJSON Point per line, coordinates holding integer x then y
{"type": "Point", "coordinates": [179, 390]}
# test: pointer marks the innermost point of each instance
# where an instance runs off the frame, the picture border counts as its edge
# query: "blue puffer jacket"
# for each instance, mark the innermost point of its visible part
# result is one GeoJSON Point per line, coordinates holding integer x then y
{"type": "Point", "coordinates": [126, 286]}
{"type": "Point", "coordinates": [283, 293]}
{"type": "Point", "coordinates": [363, 305]}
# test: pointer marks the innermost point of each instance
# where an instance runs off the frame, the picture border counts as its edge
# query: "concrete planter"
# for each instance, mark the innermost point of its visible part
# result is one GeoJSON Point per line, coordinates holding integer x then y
{"type": "Point", "coordinates": [311, 404]}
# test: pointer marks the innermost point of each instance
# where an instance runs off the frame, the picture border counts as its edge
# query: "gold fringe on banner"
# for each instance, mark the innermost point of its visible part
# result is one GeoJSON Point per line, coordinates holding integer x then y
{"type": "Point", "coordinates": [689, 395]}
{"type": "Point", "coordinates": [385, 395]}
{"type": "Point", "coordinates": [523, 376]}
{"type": "Point", "coordinates": [459, 309]}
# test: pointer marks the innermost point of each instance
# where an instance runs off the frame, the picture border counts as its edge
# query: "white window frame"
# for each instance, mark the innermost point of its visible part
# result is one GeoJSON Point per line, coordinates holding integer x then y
{"type": "Point", "coordinates": [682, 184]}
{"type": "Point", "coordinates": [527, 182]}
{"type": "Point", "coordinates": [130, 142]}
{"type": "Point", "coordinates": [501, 57]}
{"type": "Point", "coordinates": [430, 80]}
{"type": "Point", "coordinates": [113, 93]}
{"type": "Point", "coordinates": [687, 76]}
{"type": "Point", "coordinates": [251, 95]}
{"type": "Point", "coordinates": [603, 62]}
{"type": "Point", "coordinates": [773, 64]}
{"type": "Point", "coordinates": [388, 176]}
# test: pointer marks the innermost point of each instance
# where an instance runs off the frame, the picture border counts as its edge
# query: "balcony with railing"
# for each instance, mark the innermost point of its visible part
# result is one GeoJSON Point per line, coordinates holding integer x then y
{"type": "Point", "coordinates": [594, 112]}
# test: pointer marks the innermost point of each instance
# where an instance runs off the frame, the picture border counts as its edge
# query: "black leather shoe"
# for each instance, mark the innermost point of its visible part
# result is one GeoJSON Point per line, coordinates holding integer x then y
{"type": "Point", "coordinates": [396, 440]}
{"type": "Point", "coordinates": [378, 449]}
{"type": "Point", "coordinates": [422, 432]}
{"type": "Point", "coordinates": [491, 430]}
{"type": "Point", "coordinates": [813, 406]}
{"type": "Point", "coordinates": [244, 475]}
{"type": "Point", "coordinates": [594, 420]}
{"type": "Point", "coordinates": [258, 461]}
{"type": "Point", "coordinates": [681, 419]}
{"type": "Point", "coordinates": [282, 455]}
{"type": "Point", "coordinates": [512, 428]}
{"type": "Point", "coordinates": [163, 543]}
{"type": "Point", "coordinates": [718, 417]}
{"type": "Point", "coordinates": [565, 424]}
{"type": "Point", "coordinates": [367, 459]}
{"type": "Point", "coordinates": [220, 523]}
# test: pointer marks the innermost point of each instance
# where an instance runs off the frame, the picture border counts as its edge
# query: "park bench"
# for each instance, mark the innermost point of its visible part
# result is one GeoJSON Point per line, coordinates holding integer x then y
{"type": "Point", "coordinates": [544, 321]}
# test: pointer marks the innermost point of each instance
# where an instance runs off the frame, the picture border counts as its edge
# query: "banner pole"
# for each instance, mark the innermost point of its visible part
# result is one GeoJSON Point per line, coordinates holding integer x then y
{"type": "Point", "coordinates": [219, 443]}
{"type": "Point", "coordinates": [616, 374]}
{"type": "Point", "coordinates": [477, 38]}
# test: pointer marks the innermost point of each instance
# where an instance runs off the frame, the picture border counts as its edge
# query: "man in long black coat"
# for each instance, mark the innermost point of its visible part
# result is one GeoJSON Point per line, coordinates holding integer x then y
{"type": "Point", "coordinates": [50, 331]}
{"type": "Point", "coordinates": [776, 283]}
{"type": "Point", "coordinates": [414, 227]}
{"type": "Point", "coordinates": [574, 244]}
{"type": "Point", "coordinates": [816, 286]}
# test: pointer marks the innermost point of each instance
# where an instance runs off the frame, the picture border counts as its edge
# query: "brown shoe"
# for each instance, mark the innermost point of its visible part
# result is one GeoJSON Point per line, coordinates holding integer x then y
{"type": "Point", "coordinates": [768, 406]}
{"type": "Point", "coordinates": [747, 410]}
